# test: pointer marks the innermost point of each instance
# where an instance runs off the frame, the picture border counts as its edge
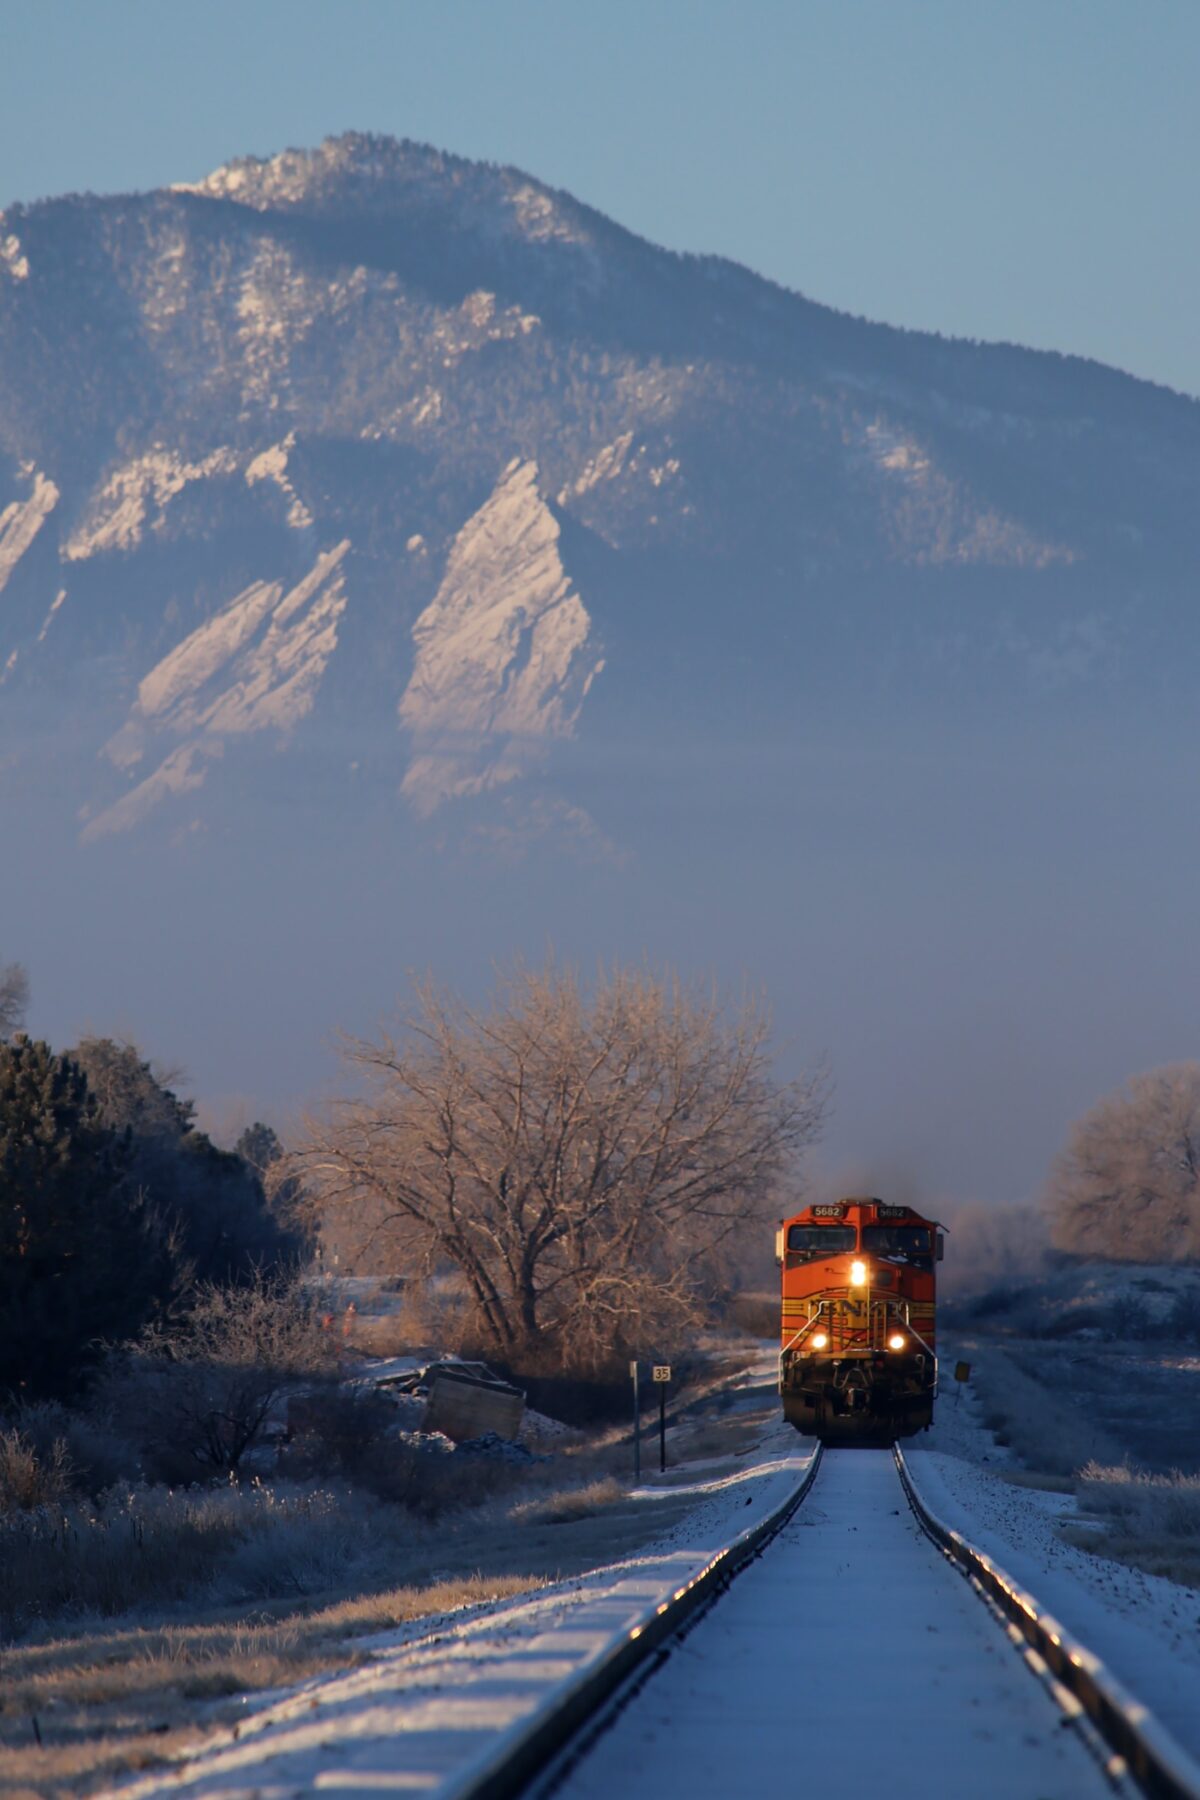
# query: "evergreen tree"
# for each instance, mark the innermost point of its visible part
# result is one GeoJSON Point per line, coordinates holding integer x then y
{"type": "Point", "coordinates": [81, 1258]}
{"type": "Point", "coordinates": [211, 1199]}
{"type": "Point", "coordinates": [287, 1202]}
{"type": "Point", "coordinates": [14, 998]}
{"type": "Point", "coordinates": [259, 1146]}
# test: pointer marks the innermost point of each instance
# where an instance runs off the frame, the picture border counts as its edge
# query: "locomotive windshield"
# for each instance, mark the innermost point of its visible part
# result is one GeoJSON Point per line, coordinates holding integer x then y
{"type": "Point", "coordinates": [900, 1243]}
{"type": "Point", "coordinates": [812, 1241]}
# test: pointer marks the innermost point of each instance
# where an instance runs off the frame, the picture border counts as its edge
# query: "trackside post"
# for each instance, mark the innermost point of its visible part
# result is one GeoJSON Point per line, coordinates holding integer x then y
{"type": "Point", "coordinates": [637, 1425]}
{"type": "Point", "coordinates": [662, 1375]}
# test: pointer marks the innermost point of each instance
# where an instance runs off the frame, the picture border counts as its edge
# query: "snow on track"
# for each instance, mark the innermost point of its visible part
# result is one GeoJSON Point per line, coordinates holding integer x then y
{"type": "Point", "coordinates": [851, 1658]}
{"type": "Point", "coordinates": [1142, 1626]}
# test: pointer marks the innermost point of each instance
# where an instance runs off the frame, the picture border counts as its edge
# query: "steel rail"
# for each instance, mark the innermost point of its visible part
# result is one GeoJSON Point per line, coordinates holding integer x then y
{"type": "Point", "coordinates": [514, 1763]}
{"type": "Point", "coordinates": [1161, 1767]}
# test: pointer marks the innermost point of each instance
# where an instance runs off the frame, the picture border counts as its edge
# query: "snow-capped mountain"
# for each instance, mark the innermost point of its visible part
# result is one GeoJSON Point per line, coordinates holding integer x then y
{"type": "Point", "coordinates": [375, 490]}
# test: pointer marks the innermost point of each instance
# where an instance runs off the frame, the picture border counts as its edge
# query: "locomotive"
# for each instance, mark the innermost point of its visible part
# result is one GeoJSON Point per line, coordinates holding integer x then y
{"type": "Point", "coordinates": [858, 1358]}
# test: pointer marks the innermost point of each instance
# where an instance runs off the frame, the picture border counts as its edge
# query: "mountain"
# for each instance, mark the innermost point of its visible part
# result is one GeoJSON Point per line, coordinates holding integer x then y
{"type": "Point", "coordinates": [369, 495]}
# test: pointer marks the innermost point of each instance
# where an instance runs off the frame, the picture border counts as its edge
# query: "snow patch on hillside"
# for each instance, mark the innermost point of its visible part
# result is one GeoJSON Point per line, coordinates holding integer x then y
{"type": "Point", "coordinates": [21, 522]}
{"type": "Point", "coordinates": [358, 172]}
{"type": "Point", "coordinates": [890, 449]}
{"type": "Point", "coordinates": [255, 666]}
{"type": "Point", "coordinates": [503, 657]}
{"type": "Point", "coordinates": [276, 308]}
{"type": "Point", "coordinates": [539, 215]}
{"type": "Point", "coordinates": [604, 466]}
{"type": "Point", "coordinates": [166, 292]}
{"type": "Point", "coordinates": [271, 465]}
{"type": "Point", "coordinates": [12, 257]}
{"type": "Point", "coordinates": [292, 177]}
{"type": "Point", "coordinates": [139, 492]}
{"type": "Point", "coordinates": [53, 608]}
{"type": "Point", "coordinates": [933, 519]}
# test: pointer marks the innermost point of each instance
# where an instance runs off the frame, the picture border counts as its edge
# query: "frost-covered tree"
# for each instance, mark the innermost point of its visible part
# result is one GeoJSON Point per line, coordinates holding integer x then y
{"type": "Point", "coordinates": [1127, 1185]}
{"type": "Point", "coordinates": [131, 1093]}
{"type": "Point", "coordinates": [579, 1156]}
{"type": "Point", "coordinates": [14, 998]}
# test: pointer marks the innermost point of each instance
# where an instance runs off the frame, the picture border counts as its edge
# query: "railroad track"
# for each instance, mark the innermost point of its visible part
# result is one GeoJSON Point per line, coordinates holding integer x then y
{"type": "Point", "coordinates": [850, 1656]}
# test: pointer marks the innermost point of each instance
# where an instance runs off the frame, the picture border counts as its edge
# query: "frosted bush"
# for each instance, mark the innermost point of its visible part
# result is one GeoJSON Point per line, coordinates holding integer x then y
{"type": "Point", "coordinates": [154, 1545]}
{"type": "Point", "coordinates": [1153, 1520]}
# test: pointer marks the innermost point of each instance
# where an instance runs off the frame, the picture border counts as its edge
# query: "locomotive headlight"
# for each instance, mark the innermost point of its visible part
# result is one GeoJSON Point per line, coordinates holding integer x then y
{"type": "Point", "coordinates": [858, 1274]}
{"type": "Point", "coordinates": [897, 1341]}
{"type": "Point", "coordinates": [819, 1340]}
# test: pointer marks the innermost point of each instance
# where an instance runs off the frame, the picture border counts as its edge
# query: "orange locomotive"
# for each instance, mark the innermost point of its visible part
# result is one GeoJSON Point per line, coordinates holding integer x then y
{"type": "Point", "coordinates": [858, 1361]}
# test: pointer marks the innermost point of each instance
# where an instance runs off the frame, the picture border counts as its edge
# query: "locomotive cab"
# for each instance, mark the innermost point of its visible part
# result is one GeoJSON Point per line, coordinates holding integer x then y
{"type": "Point", "coordinates": [858, 1358]}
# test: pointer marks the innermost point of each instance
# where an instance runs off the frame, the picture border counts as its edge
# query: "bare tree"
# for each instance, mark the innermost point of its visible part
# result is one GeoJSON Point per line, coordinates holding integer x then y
{"type": "Point", "coordinates": [1127, 1186]}
{"type": "Point", "coordinates": [14, 998]}
{"type": "Point", "coordinates": [577, 1156]}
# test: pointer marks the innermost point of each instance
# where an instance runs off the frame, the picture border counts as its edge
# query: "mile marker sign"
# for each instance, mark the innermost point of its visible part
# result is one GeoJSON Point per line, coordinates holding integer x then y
{"type": "Point", "coordinates": [662, 1371]}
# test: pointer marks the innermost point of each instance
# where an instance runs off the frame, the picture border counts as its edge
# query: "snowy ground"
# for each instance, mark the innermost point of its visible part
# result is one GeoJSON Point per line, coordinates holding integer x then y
{"type": "Point", "coordinates": [439, 1694]}
{"type": "Point", "coordinates": [432, 1702]}
{"type": "Point", "coordinates": [1146, 1629]}
{"type": "Point", "coordinates": [849, 1659]}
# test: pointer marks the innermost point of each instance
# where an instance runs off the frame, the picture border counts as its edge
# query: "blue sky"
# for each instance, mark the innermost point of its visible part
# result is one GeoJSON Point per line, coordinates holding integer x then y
{"type": "Point", "coordinates": [1025, 169]}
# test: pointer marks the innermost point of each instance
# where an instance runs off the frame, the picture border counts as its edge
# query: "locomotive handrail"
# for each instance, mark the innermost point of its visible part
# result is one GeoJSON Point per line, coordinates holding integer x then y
{"type": "Point", "coordinates": [928, 1348]}
{"type": "Point", "coordinates": [1141, 1745]}
{"type": "Point", "coordinates": [506, 1772]}
{"type": "Point", "coordinates": [797, 1335]}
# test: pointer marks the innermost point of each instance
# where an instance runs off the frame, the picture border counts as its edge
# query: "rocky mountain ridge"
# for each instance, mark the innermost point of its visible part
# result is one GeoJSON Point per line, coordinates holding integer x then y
{"type": "Point", "coordinates": [376, 439]}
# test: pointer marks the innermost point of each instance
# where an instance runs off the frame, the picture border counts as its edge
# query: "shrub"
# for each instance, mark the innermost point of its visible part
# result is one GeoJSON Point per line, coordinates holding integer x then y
{"type": "Point", "coordinates": [98, 1456]}
{"type": "Point", "coordinates": [202, 1394]}
{"type": "Point", "coordinates": [356, 1437]}
{"type": "Point", "coordinates": [338, 1432]}
{"type": "Point", "coordinates": [30, 1478]}
{"type": "Point", "coordinates": [154, 1546]}
{"type": "Point", "coordinates": [1184, 1319]}
{"type": "Point", "coordinates": [569, 1504]}
{"type": "Point", "coordinates": [1151, 1521]}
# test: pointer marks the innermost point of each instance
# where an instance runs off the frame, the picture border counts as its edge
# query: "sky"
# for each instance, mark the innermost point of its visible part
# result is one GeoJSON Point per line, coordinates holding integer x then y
{"type": "Point", "coordinates": [1024, 171]}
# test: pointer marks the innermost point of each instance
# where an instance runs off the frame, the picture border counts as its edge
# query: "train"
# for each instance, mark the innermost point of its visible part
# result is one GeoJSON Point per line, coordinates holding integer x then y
{"type": "Point", "coordinates": [858, 1344]}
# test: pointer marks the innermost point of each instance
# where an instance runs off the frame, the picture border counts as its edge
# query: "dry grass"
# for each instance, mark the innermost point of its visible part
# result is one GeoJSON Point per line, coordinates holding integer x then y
{"type": "Point", "coordinates": [1150, 1521]}
{"type": "Point", "coordinates": [388, 1335]}
{"type": "Point", "coordinates": [1047, 1429]}
{"type": "Point", "coordinates": [153, 1546]}
{"type": "Point", "coordinates": [1037, 1480]}
{"type": "Point", "coordinates": [103, 1705]}
{"type": "Point", "coordinates": [569, 1504]}
{"type": "Point", "coordinates": [111, 1697]}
